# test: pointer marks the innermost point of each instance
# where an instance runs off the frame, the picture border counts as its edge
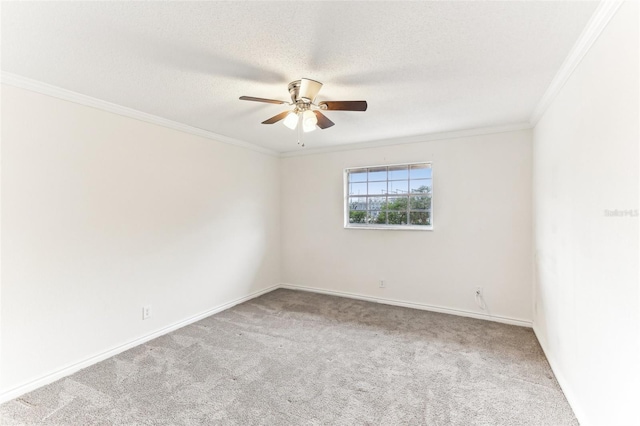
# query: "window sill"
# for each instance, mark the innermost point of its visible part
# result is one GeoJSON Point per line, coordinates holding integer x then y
{"type": "Point", "coordinates": [391, 227]}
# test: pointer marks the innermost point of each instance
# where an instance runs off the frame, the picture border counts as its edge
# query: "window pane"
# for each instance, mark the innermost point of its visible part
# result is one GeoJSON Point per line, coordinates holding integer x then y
{"type": "Point", "coordinates": [398, 186]}
{"type": "Point", "coordinates": [376, 203]}
{"type": "Point", "coordinates": [357, 217]}
{"type": "Point", "coordinates": [376, 188]}
{"type": "Point", "coordinates": [420, 171]}
{"type": "Point", "coordinates": [420, 185]}
{"type": "Point", "coordinates": [398, 172]}
{"type": "Point", "coordinates": [378, 173]}
{"type": "Point", "coordinates": [397, 218]}
{"type": "Point", "coordinates": [357, 203]}
{"type": "Point", "coordinates": [359, 175]}
{"type": "Point", "coordinates": [397, 203]}
{"type": "Point", "coordinates": [358, 188]}
{"type": "Point", "coordinates": [376, 217]}
{"type": "Point", "coordinates": [420, 218]}
{"type": "Point", "coordinates": [420, 202]}
{"type": "Point", "coordinates": [397, 196]}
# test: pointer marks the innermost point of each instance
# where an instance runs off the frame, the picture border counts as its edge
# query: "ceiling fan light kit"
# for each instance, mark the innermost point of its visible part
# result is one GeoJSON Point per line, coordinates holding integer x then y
{"type": "Point", "coordinates": [306, 113]}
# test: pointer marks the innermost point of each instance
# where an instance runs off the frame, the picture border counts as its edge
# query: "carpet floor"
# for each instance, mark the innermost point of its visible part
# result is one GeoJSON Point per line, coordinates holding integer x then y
{"type": "Point", "coordinates": [298, 358]}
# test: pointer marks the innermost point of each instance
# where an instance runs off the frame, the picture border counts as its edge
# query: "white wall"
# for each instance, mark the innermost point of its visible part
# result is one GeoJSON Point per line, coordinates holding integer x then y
{"type": "Point", "coordinates": [102, 214]}
{"type": "Point", "coordinates": [482, 227]}
{"type": "Point", "coordinates": [586, 291]}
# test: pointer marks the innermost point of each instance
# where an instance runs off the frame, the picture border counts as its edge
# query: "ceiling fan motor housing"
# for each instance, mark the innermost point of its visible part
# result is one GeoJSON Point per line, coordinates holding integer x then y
{"type": "Point", "coordinates": [301, 104]}
{"type": "Point", "coordinates": [294, 89]}
{"type": "Point", "coordinates": [304, 90]}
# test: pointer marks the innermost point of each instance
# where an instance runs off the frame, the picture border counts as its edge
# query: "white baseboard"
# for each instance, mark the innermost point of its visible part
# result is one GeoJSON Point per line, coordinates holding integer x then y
{"type": "Point", "coordinates": [72, 368]}
{"type": "Point", "coordinates": [421, 306]}
{"type": "Point", "coordinates": [564, 385]}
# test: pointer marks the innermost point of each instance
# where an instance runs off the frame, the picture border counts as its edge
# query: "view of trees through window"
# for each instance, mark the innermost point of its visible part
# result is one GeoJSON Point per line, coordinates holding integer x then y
{"type": "Point", "coordinates": [396, 195]}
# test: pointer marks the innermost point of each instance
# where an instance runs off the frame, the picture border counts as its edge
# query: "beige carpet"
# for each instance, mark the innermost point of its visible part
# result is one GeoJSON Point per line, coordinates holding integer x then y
{"type": "Point", "coordinates": [296, 358]}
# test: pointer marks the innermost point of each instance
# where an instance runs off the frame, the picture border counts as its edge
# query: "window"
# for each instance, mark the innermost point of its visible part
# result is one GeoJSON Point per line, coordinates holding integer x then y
{"type": "Point", "coordinates": [395, 196]}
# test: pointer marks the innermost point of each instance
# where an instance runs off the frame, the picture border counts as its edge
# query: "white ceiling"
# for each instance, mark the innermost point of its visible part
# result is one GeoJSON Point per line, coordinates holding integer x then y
{"type": "Point", "coordinates": [423, 67]}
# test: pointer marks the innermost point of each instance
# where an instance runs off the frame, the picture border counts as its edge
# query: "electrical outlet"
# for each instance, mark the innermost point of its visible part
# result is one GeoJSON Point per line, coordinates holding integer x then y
{"type": "Point", "coordinates": [146, 312]}
{"type": "Point", "coordinates": [382, 284]}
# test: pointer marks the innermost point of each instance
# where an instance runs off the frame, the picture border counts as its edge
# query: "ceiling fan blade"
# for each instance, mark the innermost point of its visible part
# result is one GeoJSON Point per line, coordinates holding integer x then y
{"type": "Point", "coordinates": [269, 101]}
{"type": "Point", "coordinates": [345, 105]}
{"type": "Point", "coordinates": [309, 89]}
{"type": "Point", "coordinates": [323, 121]}
{"type": "Point", "coordinates": [276, 118]}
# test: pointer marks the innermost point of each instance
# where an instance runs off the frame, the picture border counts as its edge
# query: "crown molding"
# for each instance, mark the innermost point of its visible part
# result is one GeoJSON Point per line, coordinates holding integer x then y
{"type": "Point", "coordinates": [68, 95]}
{"type": "Point", "coordinates": [410, 139]}
{"type": "Point", "coordinates": [599, 20]}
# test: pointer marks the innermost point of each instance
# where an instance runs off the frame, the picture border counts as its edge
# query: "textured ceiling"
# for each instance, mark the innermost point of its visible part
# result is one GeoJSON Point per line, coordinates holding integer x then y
{"type": "Point", "coordinates": [423, 67]}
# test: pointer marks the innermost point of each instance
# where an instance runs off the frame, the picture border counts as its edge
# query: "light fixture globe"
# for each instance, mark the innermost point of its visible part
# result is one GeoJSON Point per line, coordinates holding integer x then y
{"type": "Point", "coordinates": [309, 121]}
{"type": "Point", "coordinates": [291, 121]}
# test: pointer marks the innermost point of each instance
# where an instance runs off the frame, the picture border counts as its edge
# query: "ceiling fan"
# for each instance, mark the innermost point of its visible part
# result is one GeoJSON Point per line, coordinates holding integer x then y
{"type": "Point", "coordinates": [306, 114]}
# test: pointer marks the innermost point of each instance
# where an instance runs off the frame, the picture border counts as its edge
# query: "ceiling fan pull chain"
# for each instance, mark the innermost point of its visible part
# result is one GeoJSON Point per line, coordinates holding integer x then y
{"type": "Point", "coordinates": [299, 130]}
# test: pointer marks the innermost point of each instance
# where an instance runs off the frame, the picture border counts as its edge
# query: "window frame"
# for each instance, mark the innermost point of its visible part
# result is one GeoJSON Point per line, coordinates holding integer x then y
{"type": "Point", "coordinates": [408, 227]}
